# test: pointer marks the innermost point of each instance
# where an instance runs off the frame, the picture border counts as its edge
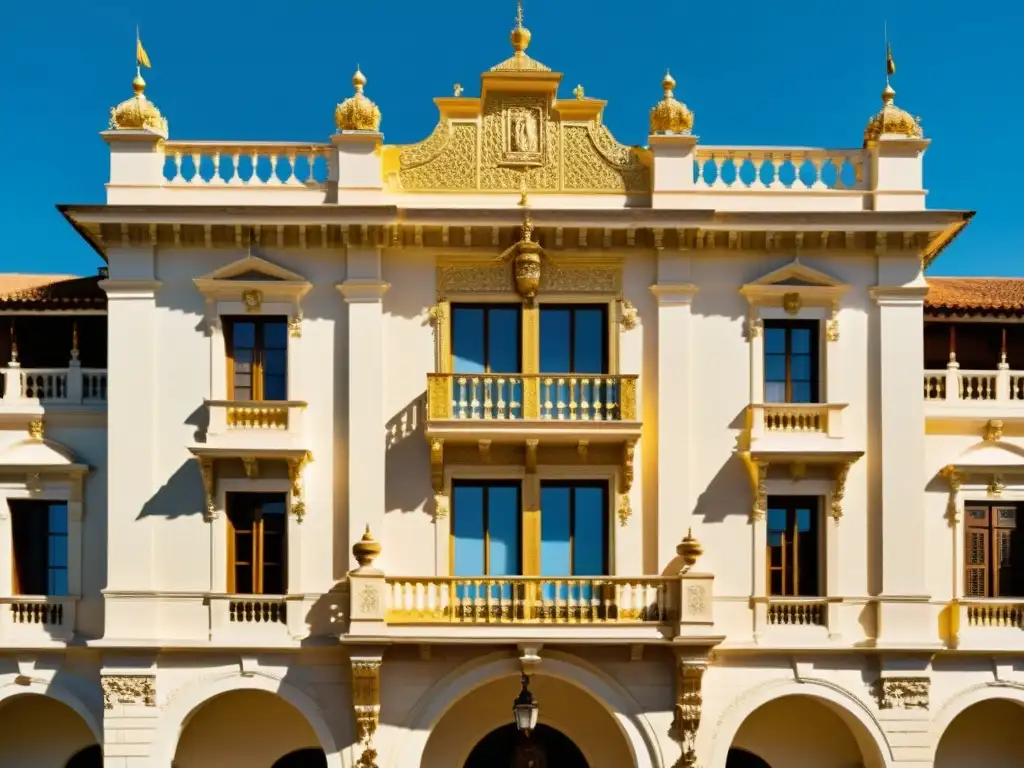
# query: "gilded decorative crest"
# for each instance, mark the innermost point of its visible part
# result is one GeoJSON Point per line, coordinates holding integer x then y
{"type": "Point", "coordinates": [524, 135]}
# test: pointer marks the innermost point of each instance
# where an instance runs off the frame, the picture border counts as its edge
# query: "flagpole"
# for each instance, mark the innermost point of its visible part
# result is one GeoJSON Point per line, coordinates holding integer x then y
{"type": "Point", "coordinates": [138, 66]}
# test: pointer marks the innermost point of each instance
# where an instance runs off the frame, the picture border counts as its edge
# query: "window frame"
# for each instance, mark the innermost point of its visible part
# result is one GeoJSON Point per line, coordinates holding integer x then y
{"type": "Point", "coordinates": [790, 579]}
{"type": "Point", "coordinates": [491, 483]}
{"type": "Point", "coordinates": [258, 542]}
{"type": "Point", "coordinates": [486, 307]}
{"type": "Point", "coordinates": [259, 349]}
{"type": "Point", "coordinates": [606, 521]}
{"type": "Point", "coordinates": [572, 308]}
{"type": "Point", "coordinates": [41, 512]}
{"type": "Point", "coordinates": [812, 325]}
{"type": "Point", "coordinates": [989, 529]}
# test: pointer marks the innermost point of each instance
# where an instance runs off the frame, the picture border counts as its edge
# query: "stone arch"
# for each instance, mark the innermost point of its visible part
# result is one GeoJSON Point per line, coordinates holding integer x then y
{"type": "Point", "coordinates": [851, 710]}
{"type": "Point", "coordinates": [43, 726]}
{"type": "Point", "coordinates": [184, 702]}
{"type": "Point", "coordinates": [463, 681]}
{"type": "Point", "coordinates": [55, 690]}
{"type": "Point", "coordinates": [963, 701]}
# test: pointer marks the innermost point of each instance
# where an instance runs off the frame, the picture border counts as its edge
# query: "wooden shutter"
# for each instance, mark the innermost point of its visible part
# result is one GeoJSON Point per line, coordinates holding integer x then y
{"type": "Point", "coordinates": [976, 552]}
{"type": "Point", "coordinates": [1004, 524]}
{"type": "Point", "coordinates": [29, 523]}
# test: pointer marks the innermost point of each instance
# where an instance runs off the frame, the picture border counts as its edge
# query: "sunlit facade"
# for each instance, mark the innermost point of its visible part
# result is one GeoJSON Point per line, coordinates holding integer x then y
{"type": "Point", "coordinates": [349, 437]}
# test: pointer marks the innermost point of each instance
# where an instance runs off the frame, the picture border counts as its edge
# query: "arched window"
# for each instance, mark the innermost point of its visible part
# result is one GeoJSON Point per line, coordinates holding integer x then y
{"type": "Point", "coordinates": [740, 758]}
{"type": "Point", "coordinates": [303, 758]}
{"type": "Point", "coordinates": [90, 757]}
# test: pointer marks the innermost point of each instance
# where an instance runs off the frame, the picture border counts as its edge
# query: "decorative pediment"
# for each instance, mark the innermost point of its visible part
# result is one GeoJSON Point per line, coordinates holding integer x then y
{"type": "Point", "coordinates": [40, 455]}
{"type": "Point", "coordinates": [990, 456]}
{"type": "Point", "coordinates": [811, 285]}
{"type": "Point", "coordinates": [253, 280]}
{"type": "Point", "coordinates": [796, 274]}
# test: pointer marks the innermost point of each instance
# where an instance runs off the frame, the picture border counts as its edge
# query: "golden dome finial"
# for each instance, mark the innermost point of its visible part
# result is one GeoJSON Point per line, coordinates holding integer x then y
{"type": "Point", "coordinates": [520, 34]}
{"type": "Point", "coordinates": [670, 116]}
{"type": "Point", "coordinates": [138, 113]}
{"type": "Point", "coordinates": [357, 113]}
{"type": "Point", "coordinates": [891, 121]}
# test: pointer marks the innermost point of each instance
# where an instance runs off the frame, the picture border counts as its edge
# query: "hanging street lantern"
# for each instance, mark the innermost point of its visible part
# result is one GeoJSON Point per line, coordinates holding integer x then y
{"type": "Point", "coordinates": [525, 709]}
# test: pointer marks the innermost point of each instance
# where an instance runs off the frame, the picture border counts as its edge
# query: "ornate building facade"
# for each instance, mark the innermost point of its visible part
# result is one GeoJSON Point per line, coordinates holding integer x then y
{"type": "Point", "coordinates": [351, 443]}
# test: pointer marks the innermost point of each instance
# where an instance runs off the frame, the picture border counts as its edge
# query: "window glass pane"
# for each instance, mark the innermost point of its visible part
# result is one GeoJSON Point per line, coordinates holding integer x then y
{"type": "Point", "coordinates": [803, 392]}
{"type": "Point", "coordinates": [775, 583]}
{"type": "Point", "coordinates": [775, 368]}
{"type": "Point", "coordinates": [274, 388]}
{"type": "Point", "coordinates": [468, 340]}
{"type": "Point", "coordinates": [468, 529]}
{"type": "Point", "coordinates": [275, 362]}
{"type": "Point", "coordinates": [804, 520]}
{"type": "Point", "coordinates": [555, 530]}
{"type": "Point", "coordinates": [775, 392]}
{"type": "Point", "coordinates": [57, 555]}
{"type": "Point", "coordinates": [589, 341]}
{"type": "Point", "coordinates": [58, 514]}
{"type": "Point", "coordinates": [503, 530]}
{"type": "Point", "coordinates": [57, 582]}
{"type": "Point", "coordinates": [555, 340]}
{"type": "Point", "coordinates": [800, 368]}
{"type": "Point", "coordinates": [775, 341]}
{"type": "Point", "coordinates": [800, 341]}
{"type": "Point", "coordinates": [503, 339]}
{"type": "Point", "coordinates": [776, 518]}
{"type": "Point", "coordinates": [588, 532]}
{"type": "Point", "coordinates": [243, 579]}
{"type": "Point", "coordinates": [275, 335]}
{"type": "Point", "coordinates": [243, 335]}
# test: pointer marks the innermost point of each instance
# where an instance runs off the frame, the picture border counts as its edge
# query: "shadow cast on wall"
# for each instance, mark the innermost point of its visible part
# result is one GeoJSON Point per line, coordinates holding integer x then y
{"type": "Point", "coordinates": [407, 462]}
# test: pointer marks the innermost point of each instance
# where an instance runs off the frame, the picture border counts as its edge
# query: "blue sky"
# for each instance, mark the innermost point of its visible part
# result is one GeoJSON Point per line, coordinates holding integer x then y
{"type": "Point", "coordinates": [798, 72]}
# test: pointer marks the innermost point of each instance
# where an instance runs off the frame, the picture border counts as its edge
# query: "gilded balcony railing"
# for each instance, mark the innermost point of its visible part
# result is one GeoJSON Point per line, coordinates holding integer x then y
{"type": "Point", "coordinates": [531, 397]}
{"type": "Point", "coordinates": [796, 417]}
{"type": "Point", "coordinates": [531, 599]}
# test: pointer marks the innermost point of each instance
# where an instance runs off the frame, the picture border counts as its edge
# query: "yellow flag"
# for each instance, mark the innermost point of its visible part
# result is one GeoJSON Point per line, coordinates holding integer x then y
{"type": "Point", "coordinates": [141, 57]}
{"type": "Point", "coordinates": [890, 62]}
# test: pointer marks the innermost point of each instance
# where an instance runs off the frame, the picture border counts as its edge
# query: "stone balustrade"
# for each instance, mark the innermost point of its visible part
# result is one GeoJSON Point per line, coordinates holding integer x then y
{"type": "Point", "coordinates": [964, 386]}
{"type": "Point", "coordinates": [73, 385]}
{"type": "Point", "coordinates": [37, 620]}
{"type": "Point", "coordinates": [805, 612]}
{"type": "Point", "coordinates": [782, 169]}
{"type": "Point", "coordinates": [252, 164]}
{"type": "Point", "coordinates": [255, 423]}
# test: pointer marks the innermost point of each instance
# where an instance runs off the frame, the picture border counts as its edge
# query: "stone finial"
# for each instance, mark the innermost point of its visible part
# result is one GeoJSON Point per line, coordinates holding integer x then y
{"type": "Point", "coordinates": [366, 549]}
{"type": "Point", "coordinates": [689, 549]}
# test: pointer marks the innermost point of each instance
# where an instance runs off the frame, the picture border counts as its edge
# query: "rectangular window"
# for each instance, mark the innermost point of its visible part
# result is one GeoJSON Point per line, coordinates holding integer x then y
{"type": "Point", "coordinates": [573, 529]}
{"type": "Point", "coordinates": [257, 352]}
{"type": "Point", "coordinates": [40, 547]}
{"type": "Point", "coordinates": [257, 543]}
{"type": "Point", "coordinates": [794, 547]}
{"type": "Point", "coordinates": [994, 551]}
{"type": "Point", "coordinates": [791, 361]}
{"type": "Point", "coordinates": [574, 338]}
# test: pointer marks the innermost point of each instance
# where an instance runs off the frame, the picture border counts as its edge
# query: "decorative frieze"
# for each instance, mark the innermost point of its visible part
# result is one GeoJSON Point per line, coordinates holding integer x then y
{"type": "Point", "coordinates": [903, 692]}
{"type": "Point", "coordinates": [128, 689]}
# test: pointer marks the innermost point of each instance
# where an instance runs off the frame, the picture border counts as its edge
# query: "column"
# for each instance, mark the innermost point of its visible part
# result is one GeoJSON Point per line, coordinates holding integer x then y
{"type": "Point", "coordinates": [675, 505]}
{"type": "Point", "coordinates": [904, 613]}
{"type": "Point", "coordinates": [896, 174]}
{"type": "Point", "coordinates": [132, 406]}
{"type": "Point", "coordinates": [364, 290]}
{"type": "Point", "coordinates": [130, 714]}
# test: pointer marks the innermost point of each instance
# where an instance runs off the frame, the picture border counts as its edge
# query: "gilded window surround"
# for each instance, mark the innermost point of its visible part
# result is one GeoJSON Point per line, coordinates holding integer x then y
{"type": "Point", "coordinates": [294, 464]}
{"type": "Point", "coordinates": [532, 474]}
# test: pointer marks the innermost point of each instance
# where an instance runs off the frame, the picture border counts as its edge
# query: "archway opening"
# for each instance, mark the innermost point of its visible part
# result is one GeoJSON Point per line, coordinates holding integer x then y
{"type": "Point", "coordinates": [741, 758]}
{"type": "Point", "coordinates": [506, 747]}
{"type": "Point", "coordinates": [479, 726]}
{"type": "Point", "coordinates": [986, 733]}
{"type": "Point", "coordinates": [90, 757]}
{"type": "Point", "coordinates": [250, 728]}
{"type": "Point", "coordinates": [803, 732]}
{"type": "Point", "coordinates": [303, 758]}
{"type": "Point", "coordinates": [39, 730]}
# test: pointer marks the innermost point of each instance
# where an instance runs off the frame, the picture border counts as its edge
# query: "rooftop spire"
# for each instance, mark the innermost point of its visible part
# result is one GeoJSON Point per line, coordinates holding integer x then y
{"type": "Point", "coordinates": [520, 34]}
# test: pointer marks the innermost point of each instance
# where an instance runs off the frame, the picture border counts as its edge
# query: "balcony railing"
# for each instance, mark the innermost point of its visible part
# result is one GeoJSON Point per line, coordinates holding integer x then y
{"type": "Point", "coordinates": [32, 618]}
{"type": "Point", "coordinates": [73, 385]}
{"type": "Point", "coordinates": [254, 424]}
{"type": "Point", "coordinates": [526, 600]}
{"type": "Point", "coordinates": [257, 619]}
{"type": "Point", "coordinates": [789, 169]}
{"type": "Point", "coordinates": [245, 164]}
{"type": "Point", "coordinates": [995, 614]}
{"type": "Point", "coordinates": [804, 612]}
{"type": "Point", "coordinates": [532, 397]}
{"type": "Point", "coordinates": [771, 420]}
{"type": "Point", "coordinates": [969, 387]}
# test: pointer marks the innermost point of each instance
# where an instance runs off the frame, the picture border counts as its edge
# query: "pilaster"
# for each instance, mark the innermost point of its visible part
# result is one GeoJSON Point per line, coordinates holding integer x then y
{"type": "Point", "coordinates": [903, 610]}
{"type": "Point", "coordinates": [364, 290]}
{"type": "Point", "coordinates": [356, 166]}
{"type": "Point", "coordinates": [130, 716]}
{"type": "Point", "coordinates": [675, 505]}
{"type": "Point", "coordinates": [897, 173]}
{"type": "Point", "coordinates": [132, 410]}
{"type": "Point", "coordinates": [674, 158]}
{"type": "Point", "coordinates": [136, 161]}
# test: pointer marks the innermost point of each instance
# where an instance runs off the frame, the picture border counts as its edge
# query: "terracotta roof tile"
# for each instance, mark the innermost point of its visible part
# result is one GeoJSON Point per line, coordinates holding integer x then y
{"type": "Point", "coordinates": [51, 292]}
{"type": "Point", "coordinates": [976, 294]}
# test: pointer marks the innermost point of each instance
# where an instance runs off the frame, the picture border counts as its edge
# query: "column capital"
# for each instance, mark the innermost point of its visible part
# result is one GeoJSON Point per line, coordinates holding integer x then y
{"type": "Point", "coordinates": [674, 293]}
{"type": "Point", "coordinates": [130, 289]}
{"type": "Point", "coordinates": [363, 290]}
{"type": "Point", "coordinates": [899, 295]}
